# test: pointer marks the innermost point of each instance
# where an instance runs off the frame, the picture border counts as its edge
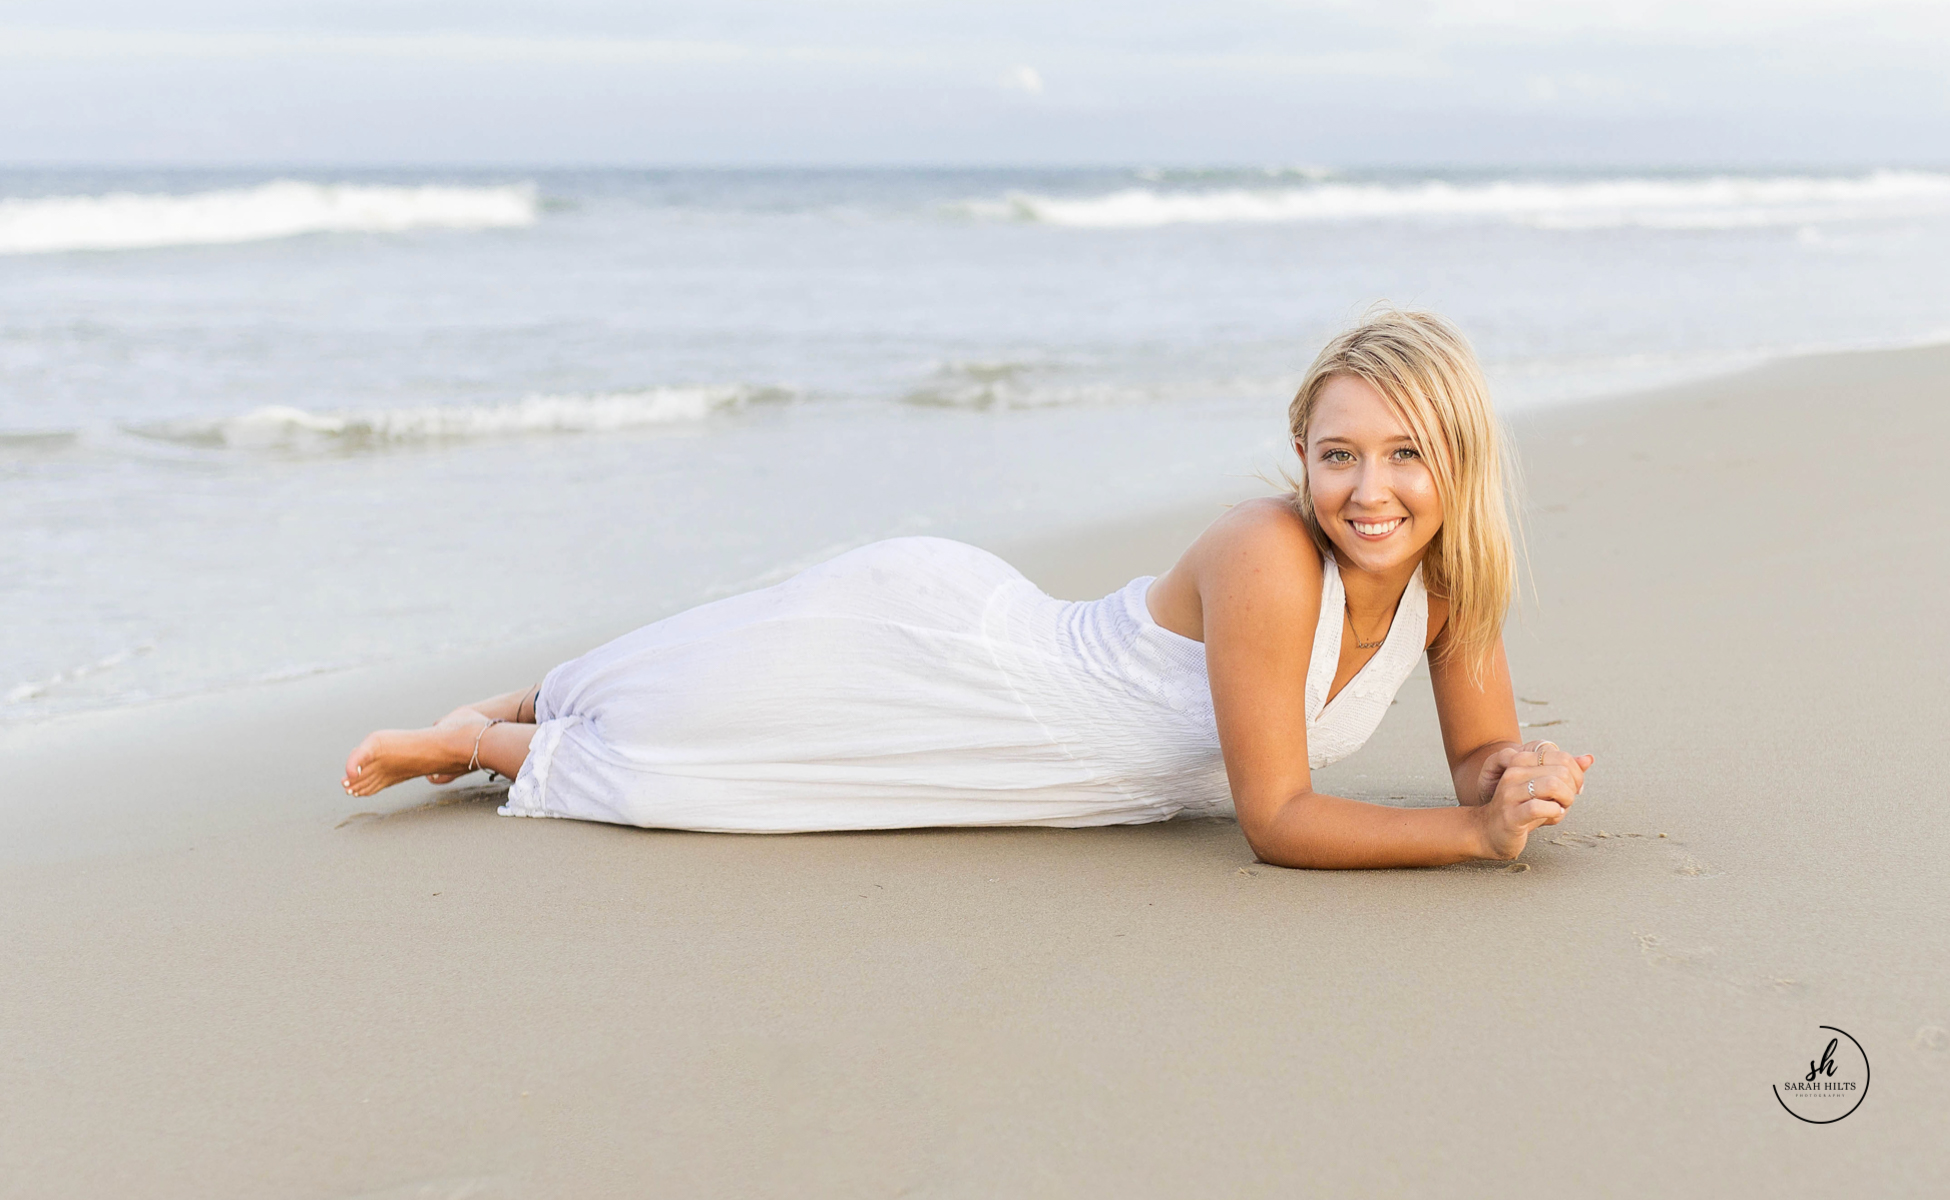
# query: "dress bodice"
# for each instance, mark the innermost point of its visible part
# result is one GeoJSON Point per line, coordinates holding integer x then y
{"type": "Point", "coordinates": [1336, 728]}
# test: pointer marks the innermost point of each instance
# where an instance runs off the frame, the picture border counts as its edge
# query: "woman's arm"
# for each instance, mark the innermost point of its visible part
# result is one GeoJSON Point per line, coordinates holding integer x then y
{"type": "Point", "coordinates": [1478, 717]}
{"type": "Point", "coordinates": [1315, 830]}
{"type": "Point", "coordinates": [1479, 729]}
{"type": "Point", "coordinates": [1258, 579]}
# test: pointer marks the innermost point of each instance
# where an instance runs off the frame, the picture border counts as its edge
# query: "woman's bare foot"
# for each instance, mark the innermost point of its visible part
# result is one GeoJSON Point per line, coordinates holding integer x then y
{"type": "Point", "coordinates": [392, 756]}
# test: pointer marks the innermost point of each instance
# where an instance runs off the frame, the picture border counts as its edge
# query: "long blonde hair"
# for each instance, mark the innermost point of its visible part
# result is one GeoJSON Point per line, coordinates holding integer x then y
{"type": "Point", "coordinates": [1429, 375]}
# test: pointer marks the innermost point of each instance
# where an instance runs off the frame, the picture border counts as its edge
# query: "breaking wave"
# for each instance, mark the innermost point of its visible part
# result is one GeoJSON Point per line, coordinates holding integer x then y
{"type": "Point", "coordinates": [1719, 202]}
{"type": "Point", "coordinates": [283, 427]}
{"type": "Point", "coordinates": [1006, 385]}
{"type": "Point", "coordinates": [282, 208]}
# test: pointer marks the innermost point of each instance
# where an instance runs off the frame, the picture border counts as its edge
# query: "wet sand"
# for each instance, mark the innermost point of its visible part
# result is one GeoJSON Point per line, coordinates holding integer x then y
{"type": "Point", "coordinates": [220, 981]}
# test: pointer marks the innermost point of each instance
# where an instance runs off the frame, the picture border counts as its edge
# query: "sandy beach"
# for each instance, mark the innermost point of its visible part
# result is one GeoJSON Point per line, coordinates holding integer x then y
{"type": "Point", "coordinates": [221, 978]}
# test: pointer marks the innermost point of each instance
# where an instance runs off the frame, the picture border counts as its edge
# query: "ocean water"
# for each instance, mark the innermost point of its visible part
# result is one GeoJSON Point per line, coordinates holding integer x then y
{"type": "Point", "coordinates": [259, 424]}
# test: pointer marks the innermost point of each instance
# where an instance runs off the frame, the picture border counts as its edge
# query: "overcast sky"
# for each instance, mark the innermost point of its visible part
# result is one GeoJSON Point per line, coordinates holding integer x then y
{"type": "Point", "coordinates": [994, 82]}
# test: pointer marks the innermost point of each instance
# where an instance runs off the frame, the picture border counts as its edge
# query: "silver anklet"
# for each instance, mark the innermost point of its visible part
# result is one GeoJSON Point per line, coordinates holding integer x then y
{"type": "Point", "coordinates": [474, 762]}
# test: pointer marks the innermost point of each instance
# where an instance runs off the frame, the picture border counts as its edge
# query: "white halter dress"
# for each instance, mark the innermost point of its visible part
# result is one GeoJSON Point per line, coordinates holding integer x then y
{"type": "Point", "coordinates": [915, 682]}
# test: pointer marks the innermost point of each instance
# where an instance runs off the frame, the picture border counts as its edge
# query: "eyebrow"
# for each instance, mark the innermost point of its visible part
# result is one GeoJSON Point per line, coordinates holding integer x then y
{"type": "Point", "coordinates": [1400, 437]}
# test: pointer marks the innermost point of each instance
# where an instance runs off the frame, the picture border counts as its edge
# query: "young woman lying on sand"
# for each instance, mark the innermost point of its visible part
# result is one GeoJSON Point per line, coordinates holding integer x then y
{"type": "Point", "coordinates": [921, 682]}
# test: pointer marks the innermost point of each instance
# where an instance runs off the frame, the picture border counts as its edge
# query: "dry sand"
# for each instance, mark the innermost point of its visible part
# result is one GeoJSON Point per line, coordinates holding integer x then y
{"type": "Point", "coordinates": [212, 988]}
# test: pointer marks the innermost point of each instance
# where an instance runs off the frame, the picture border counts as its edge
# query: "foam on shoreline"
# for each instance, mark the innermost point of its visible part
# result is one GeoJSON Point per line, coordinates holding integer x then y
{"type": "Point", "coordinates": [284, 426]}
{"type": "Point", "coordinates": [1719, 202]}
{"type": "Point", "coordinates": [279, 209]}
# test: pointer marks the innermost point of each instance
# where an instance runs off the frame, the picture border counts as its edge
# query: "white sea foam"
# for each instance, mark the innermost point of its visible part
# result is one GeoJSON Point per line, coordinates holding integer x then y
{"type": "Point", "coordinates": [283, 208]}
{"type": "Point", "coordinates": [21, 693]}
{"type": "Point", "coordinates": [281, 426]}
{"type": "Point", "coordinates": [986, 385]}
{"type": "Point", "coordinates": [1719, 202]}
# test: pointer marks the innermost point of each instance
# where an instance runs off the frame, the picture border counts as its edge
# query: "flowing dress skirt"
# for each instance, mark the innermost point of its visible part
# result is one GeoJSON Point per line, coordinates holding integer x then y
{"type": "Point", "coordinates": [911, 682]}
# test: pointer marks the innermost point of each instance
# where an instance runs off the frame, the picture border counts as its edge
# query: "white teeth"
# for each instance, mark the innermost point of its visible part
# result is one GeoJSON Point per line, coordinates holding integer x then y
{"type": "Point", "coordinates": [1377, 528]}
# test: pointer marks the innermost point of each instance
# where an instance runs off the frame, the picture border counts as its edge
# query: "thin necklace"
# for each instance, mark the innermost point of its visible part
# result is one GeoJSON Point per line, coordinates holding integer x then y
{"type": "Point", "coordinates": [1357, 633]}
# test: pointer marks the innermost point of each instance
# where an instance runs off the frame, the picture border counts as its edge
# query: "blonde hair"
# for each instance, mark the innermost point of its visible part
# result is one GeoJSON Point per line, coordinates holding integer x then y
{"type": "Point", "coordinates": [1427, 372]}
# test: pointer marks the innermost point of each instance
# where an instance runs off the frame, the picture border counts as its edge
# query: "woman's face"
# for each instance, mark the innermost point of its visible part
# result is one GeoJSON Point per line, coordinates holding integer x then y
{"type": "Point", "coordinates": [1371, 491]}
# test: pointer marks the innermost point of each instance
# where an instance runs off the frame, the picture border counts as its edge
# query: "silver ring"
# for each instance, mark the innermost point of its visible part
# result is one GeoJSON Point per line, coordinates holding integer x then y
{"type": "Point", "coordinates": [1531, 787]}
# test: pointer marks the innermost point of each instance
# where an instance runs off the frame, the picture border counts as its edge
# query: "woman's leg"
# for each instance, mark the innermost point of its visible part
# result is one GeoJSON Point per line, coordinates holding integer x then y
{"type": "Point", "coordinates": [505, 747]}
{"type": "Point", "coordinates": [509, 706]}
{"type": "Point", "coordinates": [444, 751]}
{"type": "Point", "coordinates": [518, 707]}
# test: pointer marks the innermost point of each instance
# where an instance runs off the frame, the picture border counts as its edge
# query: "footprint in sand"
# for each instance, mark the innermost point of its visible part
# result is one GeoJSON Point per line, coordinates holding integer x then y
{"type": "Point", "coordinates": [1684, 863]}
{"type": "Point", "coordinates": [1688, 865]}
{"type": "Point", "coordinates": [1591, 839]}
{"type": "Point", "coordinates": [1697, 961]}
{"type": "Point", "coordinates": [1660, 953]}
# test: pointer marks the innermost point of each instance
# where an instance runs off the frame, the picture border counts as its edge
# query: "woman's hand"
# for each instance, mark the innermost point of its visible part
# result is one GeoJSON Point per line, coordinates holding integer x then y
{"type": "Point", "coordinates": [1496, 764]}
{"type": "Point", "coordinates": [1527, 786]}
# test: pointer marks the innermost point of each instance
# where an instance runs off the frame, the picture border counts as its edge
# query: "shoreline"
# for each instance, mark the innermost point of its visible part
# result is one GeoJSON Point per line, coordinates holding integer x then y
{"type": "Point", "coordinates": [223, 982]}
{"type": "Point", "coordinates": [705, 583]}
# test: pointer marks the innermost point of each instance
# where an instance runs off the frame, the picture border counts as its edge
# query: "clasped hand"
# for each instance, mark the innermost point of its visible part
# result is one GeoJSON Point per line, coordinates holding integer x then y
{"type": "Point", "coordinates": [1524, 787]}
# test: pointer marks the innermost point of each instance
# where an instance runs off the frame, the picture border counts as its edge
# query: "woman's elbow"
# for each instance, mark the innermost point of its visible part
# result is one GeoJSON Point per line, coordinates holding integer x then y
{"type": "Point", "coordinates": [1275, 836]}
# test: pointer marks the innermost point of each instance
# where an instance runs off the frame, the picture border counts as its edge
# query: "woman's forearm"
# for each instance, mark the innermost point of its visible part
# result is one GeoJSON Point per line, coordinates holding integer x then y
{"type": "Point", "coordinates": [1330, 832]}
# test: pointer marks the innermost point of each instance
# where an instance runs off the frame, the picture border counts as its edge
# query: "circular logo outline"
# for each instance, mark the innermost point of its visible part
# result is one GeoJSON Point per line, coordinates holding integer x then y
{"type": "Point", "coordinates": [1858, 1100]}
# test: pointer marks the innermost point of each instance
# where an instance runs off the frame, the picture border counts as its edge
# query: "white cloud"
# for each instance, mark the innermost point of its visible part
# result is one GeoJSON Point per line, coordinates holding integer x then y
{"type": "Point", "coordinates": [1024, 79]}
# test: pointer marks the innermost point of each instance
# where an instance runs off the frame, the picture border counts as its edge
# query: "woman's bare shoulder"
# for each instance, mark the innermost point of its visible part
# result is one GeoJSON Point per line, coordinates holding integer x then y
{"type": "Point", "coordinates": [1265, 533]}
{"type": "Point", "coordinates": [1259, 549]}
{"type": "Point", "coordinates": [1262, 525]}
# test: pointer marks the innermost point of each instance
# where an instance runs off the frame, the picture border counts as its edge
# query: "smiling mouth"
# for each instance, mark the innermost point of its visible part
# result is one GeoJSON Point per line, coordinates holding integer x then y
{"type": "Point", "coordinates": [1376, 530]}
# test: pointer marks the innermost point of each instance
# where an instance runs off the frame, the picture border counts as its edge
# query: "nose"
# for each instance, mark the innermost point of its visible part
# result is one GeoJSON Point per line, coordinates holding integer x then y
{"type": "Point", "coordinates": [1371, 485]}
